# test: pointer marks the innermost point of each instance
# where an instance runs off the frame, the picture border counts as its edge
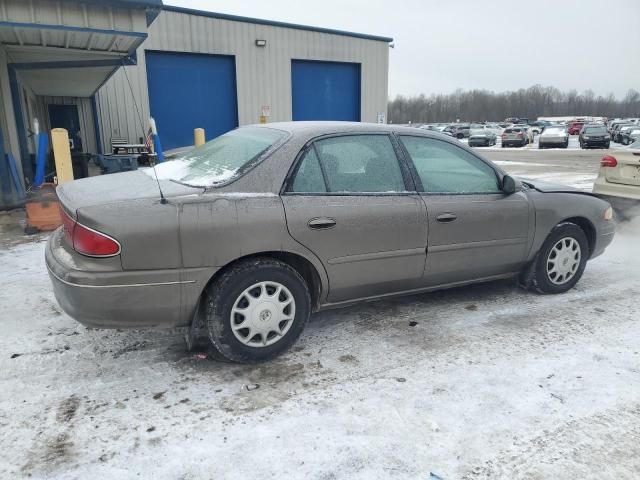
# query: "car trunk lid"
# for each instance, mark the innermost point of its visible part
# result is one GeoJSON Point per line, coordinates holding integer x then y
{"type": "Point", "coordinates": [117, 187]}
{"type": "Point", "coordinates": [627, 170]}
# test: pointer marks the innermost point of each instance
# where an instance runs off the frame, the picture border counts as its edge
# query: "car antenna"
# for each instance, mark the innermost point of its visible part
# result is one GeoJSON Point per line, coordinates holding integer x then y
{"type": "Point", "coordinates": [154, 132]}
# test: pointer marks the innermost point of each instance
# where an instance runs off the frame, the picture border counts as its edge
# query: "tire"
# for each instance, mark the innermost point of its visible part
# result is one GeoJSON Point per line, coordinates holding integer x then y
{"type": "Point", "coordinates": [571, 236]}
{"type": "Point", "coordinates": [460, 136]}
{"type": "Point", "coordinates": [540, 147]}
{"type": "Point", "coordinates": [234, 289]}
{"type": "Point", "coordinates": [608, 145]}
{"type": "Point", "coordinates": [566, 144]}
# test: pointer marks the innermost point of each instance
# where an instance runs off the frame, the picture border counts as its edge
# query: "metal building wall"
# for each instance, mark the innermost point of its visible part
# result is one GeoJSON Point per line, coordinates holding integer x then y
{"type": "Point", "coordinates": [263, 75]}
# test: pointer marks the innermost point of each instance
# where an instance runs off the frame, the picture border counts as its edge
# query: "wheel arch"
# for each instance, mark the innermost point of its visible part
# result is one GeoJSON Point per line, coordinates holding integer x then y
{"type": "Point", "coordinates": [587, 227]}
{"type": "Point", "coordinates": [308, 271]}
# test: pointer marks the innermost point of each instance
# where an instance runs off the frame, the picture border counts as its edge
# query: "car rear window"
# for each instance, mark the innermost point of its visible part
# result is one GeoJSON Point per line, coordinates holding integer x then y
{"type": "Point", "coordinates": [555, 130]}
{"type": "Point", "coordinates": [512, 130]}
{"type": "Point", "coordinates": [595, 130]}
{"type": "Point", "coordinates": [222, 159]}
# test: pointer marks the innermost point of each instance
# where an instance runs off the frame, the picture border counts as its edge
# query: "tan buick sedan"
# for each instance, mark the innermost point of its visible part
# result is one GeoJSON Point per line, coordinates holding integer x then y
{"type": "Point", "coordinates": [244, 237]}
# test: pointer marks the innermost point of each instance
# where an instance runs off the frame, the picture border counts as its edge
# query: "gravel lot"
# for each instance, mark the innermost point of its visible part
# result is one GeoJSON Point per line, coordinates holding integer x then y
{"type": "Point", "coordinates": [479, 382]}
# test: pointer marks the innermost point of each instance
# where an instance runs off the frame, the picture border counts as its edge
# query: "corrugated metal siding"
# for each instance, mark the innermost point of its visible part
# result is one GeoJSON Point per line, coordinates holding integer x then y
{"type": "Point", "coordinates": [263, 75]}
{"type": "Point", "coordinates": [65, 12]}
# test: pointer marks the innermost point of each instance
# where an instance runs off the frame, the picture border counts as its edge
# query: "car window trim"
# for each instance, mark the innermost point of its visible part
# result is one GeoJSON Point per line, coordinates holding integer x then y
{"type": "Point", "coordinates": [420, 187]}
{"type": "Point", "coordinates": [407, 177]}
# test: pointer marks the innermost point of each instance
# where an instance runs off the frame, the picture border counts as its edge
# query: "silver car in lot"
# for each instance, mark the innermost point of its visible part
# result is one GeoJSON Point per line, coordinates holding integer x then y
{"type": "Point", "coordinates": [264, 225]}
{"type": "Point", "coordinates": [555, 136]}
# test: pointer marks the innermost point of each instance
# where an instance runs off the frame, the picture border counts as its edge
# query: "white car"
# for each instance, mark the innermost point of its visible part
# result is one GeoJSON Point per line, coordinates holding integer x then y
{"type": "Point", "coordinates": [554, 137]}
{"type": "Point", "coordinates": [479, 128]}
{"type": "Point", "coordinates": [618, 181]}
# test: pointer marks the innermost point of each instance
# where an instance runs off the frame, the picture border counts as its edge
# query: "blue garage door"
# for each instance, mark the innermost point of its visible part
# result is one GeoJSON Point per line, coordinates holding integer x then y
{"type": "Point", "coordinates": [188, 91]}
{"type": "Point", "coordinates": [325, 90]}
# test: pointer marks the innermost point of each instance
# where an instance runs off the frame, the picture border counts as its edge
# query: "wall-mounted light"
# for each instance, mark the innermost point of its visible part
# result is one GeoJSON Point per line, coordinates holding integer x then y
{"type": "Point", "coordinates": [261, 43]}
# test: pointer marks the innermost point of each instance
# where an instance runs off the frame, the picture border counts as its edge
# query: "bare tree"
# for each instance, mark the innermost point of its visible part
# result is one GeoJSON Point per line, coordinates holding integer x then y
{"type": "Point", "coordinates": [533, 102]}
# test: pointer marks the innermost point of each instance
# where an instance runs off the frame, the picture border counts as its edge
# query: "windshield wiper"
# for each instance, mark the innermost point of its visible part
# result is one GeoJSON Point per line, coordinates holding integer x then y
{"type": "Point", "coordinates": [187, 184]}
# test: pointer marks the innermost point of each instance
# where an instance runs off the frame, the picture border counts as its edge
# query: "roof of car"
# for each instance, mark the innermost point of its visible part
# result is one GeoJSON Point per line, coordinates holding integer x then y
{"type": "Point", "coordinates": [320, 127]}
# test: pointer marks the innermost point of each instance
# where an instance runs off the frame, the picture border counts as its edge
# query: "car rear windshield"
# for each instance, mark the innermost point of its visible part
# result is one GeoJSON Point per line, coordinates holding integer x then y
{"type": "Point", "coordinates": [555, 130]}
{"type": "Point", "coordinates": [595, 130]}
{"type": "Point", "coordinates": [220, 160]}
{"type": "Point", "coordinates": [512, 130]}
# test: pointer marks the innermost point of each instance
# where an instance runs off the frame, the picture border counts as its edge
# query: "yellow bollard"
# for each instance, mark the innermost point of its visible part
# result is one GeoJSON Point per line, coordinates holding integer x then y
{"type": "Point", "coordinates": [62, 155]}
{"type": "Point", "coordinates": [198, 136]}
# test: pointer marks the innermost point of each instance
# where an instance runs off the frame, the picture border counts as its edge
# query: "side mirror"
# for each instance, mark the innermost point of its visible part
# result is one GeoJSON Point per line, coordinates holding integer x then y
{"type": "Point", "coordinates": [510, 185]}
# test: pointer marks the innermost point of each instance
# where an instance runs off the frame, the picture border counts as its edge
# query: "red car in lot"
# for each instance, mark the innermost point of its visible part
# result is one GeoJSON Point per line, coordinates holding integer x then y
{"type": "Point", "coordinates": [575, 127]}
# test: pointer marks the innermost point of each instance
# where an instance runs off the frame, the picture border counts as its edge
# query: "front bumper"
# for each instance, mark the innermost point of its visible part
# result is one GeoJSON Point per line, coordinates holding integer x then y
{"type": "Point", "coordinates": [514, 143]}
{"type": "Point", "coordinates": [119, 299]}
{"type": "Point", "coordinates": [595, 143]}
{"type": "Point", "coordinates": [604, 236]}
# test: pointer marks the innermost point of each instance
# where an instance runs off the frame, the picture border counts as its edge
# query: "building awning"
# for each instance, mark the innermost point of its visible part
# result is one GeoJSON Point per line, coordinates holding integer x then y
{"type": "Point", "coordinates": [70, 48]}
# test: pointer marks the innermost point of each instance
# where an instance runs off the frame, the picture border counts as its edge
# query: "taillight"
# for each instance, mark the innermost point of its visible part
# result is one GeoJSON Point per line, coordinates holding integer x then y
{"type": "Point", "coordinates": [608, 161]}
{"type": "Point", "coordinates": [87, 241]}
{"type": "Point", "coordinates": [520, 135]}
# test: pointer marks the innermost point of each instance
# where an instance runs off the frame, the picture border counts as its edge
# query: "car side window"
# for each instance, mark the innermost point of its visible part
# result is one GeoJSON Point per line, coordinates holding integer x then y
{"type": "Point", "coordinates": [360, 164]}
{"type": "Point", "coordinates": [446, 168]}
{"type": "Point", "coordinates": [308, 177]}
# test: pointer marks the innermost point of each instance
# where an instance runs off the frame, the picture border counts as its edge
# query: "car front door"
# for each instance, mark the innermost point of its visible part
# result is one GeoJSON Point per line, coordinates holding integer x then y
{"type": "Point", "coordinates": [352, 202]}
{"type": "Point", "coordinates": [475, 230]}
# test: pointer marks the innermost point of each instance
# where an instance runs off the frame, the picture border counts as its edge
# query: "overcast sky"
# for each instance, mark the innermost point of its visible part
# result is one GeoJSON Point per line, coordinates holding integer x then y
{"type": "Point", "coordinates": [490, 44]}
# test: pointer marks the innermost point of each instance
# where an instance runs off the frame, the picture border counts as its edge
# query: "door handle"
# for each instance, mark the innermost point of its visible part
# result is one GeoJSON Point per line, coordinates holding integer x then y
{"type": "Point", "coordinates": [321, 223]}
{"type": "Point", "coordinates": [446, 217]}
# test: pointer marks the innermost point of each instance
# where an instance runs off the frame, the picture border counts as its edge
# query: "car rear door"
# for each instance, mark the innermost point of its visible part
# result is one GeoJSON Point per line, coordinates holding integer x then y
{"type": "Point", "coordinates": [475, 230]}
{"type": "Point", "coordinates": [352, 202]}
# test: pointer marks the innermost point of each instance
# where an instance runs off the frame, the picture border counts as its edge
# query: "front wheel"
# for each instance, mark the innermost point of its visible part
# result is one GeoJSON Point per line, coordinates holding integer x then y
{"type": "Point", "coordinates": [256, 310]}
{"type": "Point", "coordinates": [561, 260]}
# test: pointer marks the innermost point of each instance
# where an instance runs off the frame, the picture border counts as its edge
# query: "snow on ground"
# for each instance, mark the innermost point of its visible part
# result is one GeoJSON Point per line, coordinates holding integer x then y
{"type": "Point", "coordinates": [479, 382]}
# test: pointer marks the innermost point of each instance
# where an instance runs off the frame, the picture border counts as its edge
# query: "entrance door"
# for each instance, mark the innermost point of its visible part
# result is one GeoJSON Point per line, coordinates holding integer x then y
{"type": "Point", "coordinates": [66, 116]}
{"type": "Point", "coordinates": [351, 205]}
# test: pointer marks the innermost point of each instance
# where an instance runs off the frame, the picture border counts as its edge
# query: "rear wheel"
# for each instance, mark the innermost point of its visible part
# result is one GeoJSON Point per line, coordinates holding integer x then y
{"type": "Point", "coordinates": [256, 310]}
{"type": "Point", "coordinates": [561, 261]}
{"type": "Point", "coordinates": [460, 136]}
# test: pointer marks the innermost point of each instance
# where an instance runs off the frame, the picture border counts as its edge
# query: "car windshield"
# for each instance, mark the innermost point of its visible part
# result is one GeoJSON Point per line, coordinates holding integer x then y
{"type": "Point", "coordinates": [595, 130]}
{"type": "Point", "coordinates": [221, 159]}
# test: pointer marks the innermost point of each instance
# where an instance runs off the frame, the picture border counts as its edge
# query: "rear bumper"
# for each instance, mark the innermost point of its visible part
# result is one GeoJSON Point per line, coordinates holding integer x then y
{"type": "Point", "coordinates": [514, 143]}
{"type": "Point", "coordinates": [119, 299]}
{"type": "Point", "coordinates": [617, 192]}
{"type": "Point", "coordinates": [479, 142]}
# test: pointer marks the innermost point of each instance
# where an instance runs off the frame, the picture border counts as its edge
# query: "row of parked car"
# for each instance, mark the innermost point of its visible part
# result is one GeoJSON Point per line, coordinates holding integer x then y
{"type": "Point", "coordinates": [624, 131]}
{"type": "Point", "coordinates": [551, 134]}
